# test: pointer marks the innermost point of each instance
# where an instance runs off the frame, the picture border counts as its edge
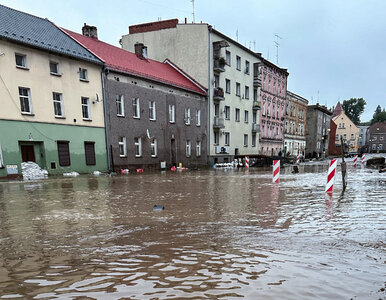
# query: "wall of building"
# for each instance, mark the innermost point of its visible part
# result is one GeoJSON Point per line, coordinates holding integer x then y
{"type": "Point", "coordinates": [42, 84]}
{"type": "Point", "coordinates": [161, 129]}
{"type": "Point", "coordinates": [347, 129]}
{"type": "Point", "coordinates": [377, 137]}
{"type": "Point", "coordinates": [43, 137]}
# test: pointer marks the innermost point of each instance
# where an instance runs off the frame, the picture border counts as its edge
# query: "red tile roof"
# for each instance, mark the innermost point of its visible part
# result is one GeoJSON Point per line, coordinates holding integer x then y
{"type": "Point", "coordinates": [338, 109]}
{"type": "Point", "coordinates": [127, 62]}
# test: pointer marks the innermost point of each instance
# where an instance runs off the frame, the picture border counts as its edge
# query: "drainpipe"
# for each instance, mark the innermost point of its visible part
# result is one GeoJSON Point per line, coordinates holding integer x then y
{"type": "Point", "coordinates": [107, 138]}
{"type": "Point", "coordinates": [209, 100]}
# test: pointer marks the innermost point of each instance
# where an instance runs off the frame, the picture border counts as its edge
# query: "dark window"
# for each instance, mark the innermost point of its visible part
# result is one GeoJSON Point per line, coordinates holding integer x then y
{"type": "Point", "coordinates": [89, 150]}
{"type": "Point", "coordinates": [64, 153]}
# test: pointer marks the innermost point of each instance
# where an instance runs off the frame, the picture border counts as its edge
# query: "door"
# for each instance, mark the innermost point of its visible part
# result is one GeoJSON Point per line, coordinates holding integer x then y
{"type": "Point", "coordinates": [27, 153]}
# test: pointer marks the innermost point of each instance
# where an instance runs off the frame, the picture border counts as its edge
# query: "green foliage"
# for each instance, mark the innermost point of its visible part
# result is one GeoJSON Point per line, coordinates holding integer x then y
{"type": "Point", "coordinates": [379, 115]}
{"type": "Point", "coordinates": [353, 108]}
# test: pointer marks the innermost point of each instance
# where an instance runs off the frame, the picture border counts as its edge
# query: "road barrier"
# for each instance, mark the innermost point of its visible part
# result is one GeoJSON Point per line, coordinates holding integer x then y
{"type": "Point", "coordinates": [276, 171]}
{"type": "Point", "coordinates": [331, 176]}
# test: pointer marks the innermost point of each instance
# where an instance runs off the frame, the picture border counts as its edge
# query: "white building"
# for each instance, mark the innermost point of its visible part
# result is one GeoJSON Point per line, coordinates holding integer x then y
{"type": "Point", "coordinates": [223, 65]}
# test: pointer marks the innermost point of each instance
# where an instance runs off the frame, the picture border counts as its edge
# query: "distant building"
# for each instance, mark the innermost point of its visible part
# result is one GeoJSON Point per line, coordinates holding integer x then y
{"type": "Point", "coordinates": [362, 138]}
{"type": "Point", "coordinates": [295, 124]}
{"type": "Point", "coordinates": [50, 93]}
{"type": "Point", "coordinates": [317, 130]}
{"type": "Point", "coordinates": [377, 137]}
{"type": "Point", "coordinates": [155, 112]}
{"type": "Point", "coordinates": [229, 70]}
{"type": "Point", "coordinates": [345, 128]}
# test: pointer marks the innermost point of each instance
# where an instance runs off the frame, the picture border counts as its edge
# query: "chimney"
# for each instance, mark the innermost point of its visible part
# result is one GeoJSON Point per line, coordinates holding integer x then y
{"type": "Point", "coordinates": [140, 50]}
{"type": "Point", "coordinates": [90, 31]}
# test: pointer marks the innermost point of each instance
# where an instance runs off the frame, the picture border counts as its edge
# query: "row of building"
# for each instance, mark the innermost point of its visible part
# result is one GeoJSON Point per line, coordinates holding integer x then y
{"type": "Point", "coordinates": [174, 93]}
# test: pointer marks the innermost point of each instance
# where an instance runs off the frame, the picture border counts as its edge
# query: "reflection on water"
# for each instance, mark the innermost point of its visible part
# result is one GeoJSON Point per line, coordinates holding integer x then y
{"type": "Point", "coordinates": [223, 234]}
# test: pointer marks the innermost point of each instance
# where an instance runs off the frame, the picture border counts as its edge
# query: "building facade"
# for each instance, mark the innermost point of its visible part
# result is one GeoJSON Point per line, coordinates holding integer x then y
{"type": "Point", "coordinates": [295, 125]}
{"type": "Point", "coordinates": [51, 90]}
{"type": "Point", "coordinates": [363, 130]}
{"type": "Point", "coordinates": [377, 137]}
{"type": "Point", "coordinates": [345, 128]}
{"type": "Point", "coordinates": [156, 112]}
{"type": "Point", "coordinates": [225, 67]}
{"type": "Point", "coordinates": [317, 131]}
{"type": "Point", "coordinates": [273, 104]}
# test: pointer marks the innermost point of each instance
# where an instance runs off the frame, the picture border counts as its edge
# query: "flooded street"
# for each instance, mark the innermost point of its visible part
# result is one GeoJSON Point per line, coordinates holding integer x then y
{"type": "Point", "coordinates": [223, 234]}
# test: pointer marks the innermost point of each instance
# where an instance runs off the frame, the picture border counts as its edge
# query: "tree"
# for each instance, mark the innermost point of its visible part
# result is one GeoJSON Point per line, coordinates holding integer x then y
{"type": "Point", "coordinates": [379, 115]}
{"type": "Point", "coordinates": [353, 108]}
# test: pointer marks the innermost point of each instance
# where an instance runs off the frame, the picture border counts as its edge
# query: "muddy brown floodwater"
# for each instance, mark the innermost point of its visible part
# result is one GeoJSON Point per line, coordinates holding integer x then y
{"type": "Point", "coordinates": [222, 235]}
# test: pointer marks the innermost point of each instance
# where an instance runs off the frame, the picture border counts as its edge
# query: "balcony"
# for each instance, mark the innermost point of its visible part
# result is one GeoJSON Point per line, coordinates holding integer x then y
{"type": "Point", "coordinates": [218, 94]}
{"type": "Point", "coordinates": [256, 105]}
{"type": "Point", "coordinates": [256, 81]}
{"type": "Point", "coordinates": [255, 128]}
{"type": "Point", "coordinates": [219, 64]}
{"type": "Point", "coordinates": [218, 123]}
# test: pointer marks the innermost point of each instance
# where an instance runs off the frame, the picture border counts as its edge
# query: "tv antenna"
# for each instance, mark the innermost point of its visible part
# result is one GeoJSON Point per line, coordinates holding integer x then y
{"type": "Point", "coordinates": [277, 47]}
{"type": "Point", "coordinates": [194, 18]}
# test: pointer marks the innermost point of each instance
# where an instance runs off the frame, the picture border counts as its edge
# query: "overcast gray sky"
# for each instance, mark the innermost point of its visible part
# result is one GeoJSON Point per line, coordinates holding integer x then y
{"type": "Point", "coordinates": [333, 49]}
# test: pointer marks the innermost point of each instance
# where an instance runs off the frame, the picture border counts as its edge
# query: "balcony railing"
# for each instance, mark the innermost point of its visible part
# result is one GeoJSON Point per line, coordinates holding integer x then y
{"type": "Point", "coordinates": [255, 127]}
{"type": "Point", "coordinates": [256, 105]}
{"type": "Point", "coordinates": [218, 94]}
{"type": "Point", "coordinates": [219, 64]}
{"type": "Point", "coordinates": [257, 81]}
{"type": "Point", "coordinates": [218, 123]}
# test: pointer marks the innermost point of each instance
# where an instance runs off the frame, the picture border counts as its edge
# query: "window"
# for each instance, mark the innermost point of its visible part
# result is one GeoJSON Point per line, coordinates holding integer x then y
{"type": "Point", "coordinates": [245, 140]}
{"type": "Point", "coordinates": [188, 149]}
{"type": "Point", "coordinates": [136, 108]}
{"type": "Point", "coordinates": [89, 150]}
{"type": "Point", "coordinates": [246, 67]}
{"type": "Point", "coordinates": [227, 86]}
{"type": "Point", "coordinates": [227, 138]}
{"type": "Point", "coordinates": [228, 58]}
{"type": "Point", "coordinates": [86, 108]}
{"type": "Point", "coordinates": [120, 105]}
{"type": "Point", "coordinates": [21, 60]}
{"type": "Point", "coordinates": [216, 81]}
{"type": "Point", "coordinates": [237, 115]}
{"type": "Point", "coordinates": [172, 113]}
{"type": "Point", "coordinates": [246, 92]}
{"type": "Point", "coordinates": [254, 117]}
{"type": "Point", "coordinates": [254, 140]}
{"type": "Point", "coordinates": [216, 138]}
{"type": "Point", "coordinates": [1, 159]}
{"type": "Point", "coordinates": [153, 146]}
{"type": "Point", "coordinates": [152, 112]}
{"type": "Point", "coordinates": [344, 136]}
{"type": "Point", "coordinates": [64, 153]}
{"type": "Point", "coordinates": [187, 116]}
{"type": "Point", "coordinates": [138, 147]}
{"type": "Point", "coordinates": [246, 115]}
{"type": "Point", "coordinates": [237, 89]}
{"type": "Point", "coordinates": [198, 148]}
{"type": "Point", "coordinates": [58, 104]}
{"type": "Point", "coordinates": [238, 62]}
{"type": "Point", "coordinates": [352, 136]}
{"type": "Point", "coordinates": [254, 94]}
{"type": "Point", "coordinates": [380, 147]}
{"type": "Point", "coordinates": [227, 111]}
{"type": "Point", "coordinates": [122, 146]}
{"type": "Point", "coordinates": [374, 147]}
{"type": "Point", "coordinates": [83, 74]}
{"type": "Point", "coordinates": [25, 100]}
{"type": "Point", "coordinates": [54, 68]}
{"type": "Point", "coordinates": [198, 117]}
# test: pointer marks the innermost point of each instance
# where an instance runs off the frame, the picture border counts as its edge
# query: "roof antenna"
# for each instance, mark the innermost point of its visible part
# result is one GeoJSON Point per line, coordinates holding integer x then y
{"type": "Point", "coordinates": [194, 18]}
{"type": "Point", "coordinates": [277, 47]}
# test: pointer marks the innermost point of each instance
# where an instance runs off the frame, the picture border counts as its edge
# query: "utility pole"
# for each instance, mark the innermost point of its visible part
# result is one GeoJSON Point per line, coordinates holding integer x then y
{"type": "Point", "coordinates": [194, 18]}
{"type": "Point", "coordinates": [277, 47]}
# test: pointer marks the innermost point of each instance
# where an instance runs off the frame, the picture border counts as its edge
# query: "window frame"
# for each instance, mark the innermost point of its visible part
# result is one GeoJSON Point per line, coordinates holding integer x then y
{"type": "Point", "coordinates": [153, 147]}
{"type": "Point", "coordinates": [245, 141]}
{"type": "Point", "coordinates": [25, 97]}
{"type": "Point", "coordinates": [172, 113]}
{"type": "Point", "coordinates": [198, 117]}
{"type": "Point", "coordinates": [238, 63]}
{"type": "Point", "coordinates": [187, 116]}
{"type": "Point", "coordinates": [188, 148]}
{"type": "Point", "coordinates": [227, 86]}
{"type": "Point", "coordinates": [24, 61]}
{"type": "Point", "coordinates": [246, 116]}
{"type": "Point", "coordinates": [64, 149]}
{"type": "Point", "coordinates": [246, 92]}
{"type": "Point", "coordinates": [136, 108]}
{"type": "Point", "coordinates": [58, 102]}
{"type": "Point", "coordinates": [238, 89]}
{"type": "Point", "coordinates": [88, 106]}
{"type": "Point", "coordinates": [227, 138]}
{"type": "Point", "coordinates": [90, 160]}
{"type": "Point", "coordinates": [122, 145]}
{"type": "Point", "coordinates": [228, 58]}
{"type": "Point", "coordinates": [227, 111]}
{"type": "Point", "coordinates": [198, 148]}
{"type": "Point", "coordinates": [247, 67]}
{"type": "Point", "coordinates": [152, 111]}
{"type": "Point", "coordinates": [138, 146]}
{"type": "Point", "coordinates": [120, 105]}
{"type": "Point", "coordinates": [83, 74]}
{"type": "Point", "coordinates": [57, 65]}
{"type": "Point", "coordinates": [237, 114]}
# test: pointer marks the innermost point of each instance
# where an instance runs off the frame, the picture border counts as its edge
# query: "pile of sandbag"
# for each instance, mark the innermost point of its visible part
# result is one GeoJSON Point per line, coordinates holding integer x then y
{"type": "Point", "coordinates": [31, 171]}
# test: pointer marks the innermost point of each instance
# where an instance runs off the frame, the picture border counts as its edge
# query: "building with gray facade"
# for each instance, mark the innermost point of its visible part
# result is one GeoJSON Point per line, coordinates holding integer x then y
{"type": "Point", "coordinates": [377, 137]}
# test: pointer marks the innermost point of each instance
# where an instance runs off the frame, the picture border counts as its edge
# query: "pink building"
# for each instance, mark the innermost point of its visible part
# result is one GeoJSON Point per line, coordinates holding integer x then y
{"type": "Point", "coordinates": [273, 82]}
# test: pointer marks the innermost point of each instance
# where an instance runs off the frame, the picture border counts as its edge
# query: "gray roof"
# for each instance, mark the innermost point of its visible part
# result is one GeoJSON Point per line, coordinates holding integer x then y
{"type": "Point", "coordinates": [40, 33]}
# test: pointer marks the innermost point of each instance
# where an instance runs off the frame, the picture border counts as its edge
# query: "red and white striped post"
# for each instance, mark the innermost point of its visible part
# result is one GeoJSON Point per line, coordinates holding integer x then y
{"type": "Point", "coordinates": [247, 162]}
{"type": "Point", "coordinates": [298, 159]}
{"type": "Point", "coordinates": [355, 160]}
{"type": "Point", "coordinates": [363, 158]}
{"type": "Point", "coordinates": [276, 171]}
{"type": "Point", "coordinates": [331, 176]}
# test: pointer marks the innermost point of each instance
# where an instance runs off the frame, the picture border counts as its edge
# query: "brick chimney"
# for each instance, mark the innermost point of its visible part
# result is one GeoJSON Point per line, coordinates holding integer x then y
{"type": "Point", "coordinates": [140, 50]}
{"type": "Point", "coordinates": [90, 31]}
